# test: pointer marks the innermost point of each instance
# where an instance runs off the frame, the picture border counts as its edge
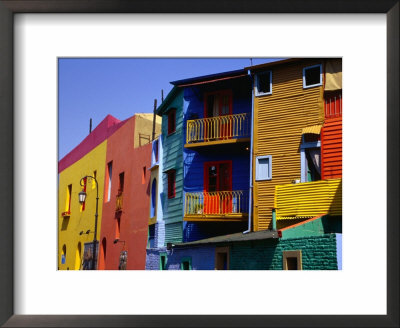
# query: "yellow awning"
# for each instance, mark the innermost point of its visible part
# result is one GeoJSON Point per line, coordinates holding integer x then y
{"type": "Point", "coordinates": [315, 129]}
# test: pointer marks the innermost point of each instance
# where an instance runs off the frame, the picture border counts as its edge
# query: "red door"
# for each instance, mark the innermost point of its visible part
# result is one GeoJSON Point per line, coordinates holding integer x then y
{"type": "Point", "coordinates": [218, 187]}
{"type": "Point", "coordinates": [218, 104]}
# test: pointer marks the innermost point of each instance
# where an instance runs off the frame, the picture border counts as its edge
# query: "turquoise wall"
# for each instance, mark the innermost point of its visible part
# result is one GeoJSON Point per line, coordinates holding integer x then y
{"type": "Point", "coordinates": [173, 159]}
{"type": "Point", "coordinates": [318, 253]}
{"type": "Point", "coordinates": [323, 225]}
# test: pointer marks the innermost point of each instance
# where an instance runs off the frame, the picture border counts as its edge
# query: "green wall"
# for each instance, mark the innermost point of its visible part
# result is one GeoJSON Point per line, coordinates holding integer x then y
{"type": "Point", "coordinates": [320, 226]}
{"type": "Point", "coordinates": [318, 253]}
{"type": "Point", "coordinates": [173, 159]}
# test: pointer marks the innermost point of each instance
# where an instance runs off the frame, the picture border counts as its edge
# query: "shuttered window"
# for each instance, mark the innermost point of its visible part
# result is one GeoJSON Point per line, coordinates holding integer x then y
{"type": "Point", "coordinates": [171, 183]}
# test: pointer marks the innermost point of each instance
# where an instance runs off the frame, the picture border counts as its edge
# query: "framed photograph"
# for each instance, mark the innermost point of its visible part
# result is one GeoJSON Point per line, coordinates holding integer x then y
{"type": "Point", "coordinates": [35, 293]}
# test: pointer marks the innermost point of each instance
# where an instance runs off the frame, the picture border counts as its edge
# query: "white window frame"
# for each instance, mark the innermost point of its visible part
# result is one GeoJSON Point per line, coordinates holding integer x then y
{"type": "Point", "coordinates": [320, 77]}
{"type": "Point", "coordinates": [269, 177]}
{"type": "Point", "coordinates": [256, 84]}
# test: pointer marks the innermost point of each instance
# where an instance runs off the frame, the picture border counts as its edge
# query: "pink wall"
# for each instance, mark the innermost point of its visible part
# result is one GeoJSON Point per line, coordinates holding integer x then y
{"type": "Point", "coordinates": [105, 129]}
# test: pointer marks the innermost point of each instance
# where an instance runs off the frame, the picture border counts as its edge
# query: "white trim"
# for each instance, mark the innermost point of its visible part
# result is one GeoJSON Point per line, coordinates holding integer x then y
{"type": "Point", "coordinates": [257, 93]}
{"type": "Point", "coordinates": [320, 77]}
{"type": "Point", "coordinates": [269, 173]}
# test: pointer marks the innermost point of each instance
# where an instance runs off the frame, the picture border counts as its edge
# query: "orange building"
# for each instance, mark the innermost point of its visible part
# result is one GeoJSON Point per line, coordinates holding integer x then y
{"type": "Point", "coordinates": [288, 152]}
{"type": "Point", "coordinates": [124, 228]}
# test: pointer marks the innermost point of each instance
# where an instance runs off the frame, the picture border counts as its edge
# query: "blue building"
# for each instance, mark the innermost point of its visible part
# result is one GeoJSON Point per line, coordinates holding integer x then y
{"type": "Point", "coordinates": [216, 154]}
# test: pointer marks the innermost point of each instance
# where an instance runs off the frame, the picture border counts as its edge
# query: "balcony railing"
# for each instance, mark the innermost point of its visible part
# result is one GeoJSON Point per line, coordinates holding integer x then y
{"type": "Point", "coordinates": [309, 199]}
{"type": "Point", "coordinates": [218, 203]}
{"type": "Point", "coordinates": [119, 203]}
{"type": "Point", "coordinates": [218, 128]}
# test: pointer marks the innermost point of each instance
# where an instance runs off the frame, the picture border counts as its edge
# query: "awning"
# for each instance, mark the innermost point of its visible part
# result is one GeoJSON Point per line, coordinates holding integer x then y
{"type": "Point", "coordinates": [315, 129]}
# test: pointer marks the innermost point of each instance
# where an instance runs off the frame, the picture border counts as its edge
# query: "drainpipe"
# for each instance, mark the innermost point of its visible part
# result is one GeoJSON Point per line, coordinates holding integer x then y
{"type": "Point", "coordinates": [251, 156]}
{"type": "Point", "coordinates": [273, 219]}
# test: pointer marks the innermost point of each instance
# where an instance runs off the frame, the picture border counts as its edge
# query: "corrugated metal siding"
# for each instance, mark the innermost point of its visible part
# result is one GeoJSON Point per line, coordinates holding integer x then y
{"type": "Point", "coordinates": [309, 199]}
{"type": "Point", "coordinates": [331, 149]}
{"type": "Point", "coordinates": [279, 120]}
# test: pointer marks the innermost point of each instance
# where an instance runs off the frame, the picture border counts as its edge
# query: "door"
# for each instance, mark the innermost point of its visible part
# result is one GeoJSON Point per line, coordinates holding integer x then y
{"type": "Point", "coordinates": [218, 108]}
{"type": "Point", "coordinates": [218, 187]}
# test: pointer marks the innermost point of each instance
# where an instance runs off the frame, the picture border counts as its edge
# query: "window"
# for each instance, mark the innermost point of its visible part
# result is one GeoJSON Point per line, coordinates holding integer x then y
{"type": "Point", "coordinates": [263, 83]}
{"type": "Point", "coordinates": [310, 156]}
{"type": "Point", "coordinates": [163, 261]}
{"type": "Point", "coordinates": [68, 200]}
{"type": "Point", "coordinates": [218, 103]}
{"type": "Point", "coordinates": [263, 168]}
{"type": "Point", "coordinates": [153, 198]}
{"type": "Point", "coordinates": [121, 183]}
{"type": "Point", "coordinates": [144, 175]}
{"type": "Point", "coordinates": [218, 176]}
{"type": "Point", "coordinates": [109, 175]}
{"type": "Point", "coordinates": [312, 76]}
{"type": "Point", "coordinates": [171, 183]}
{"type": "Point", "coordinates": [172, 121]}
{"type": "Point", "coordinates": [151, 236]}
{"type": "Point", "coordinates": [292, 260]}
{"type": "Point", "coordinates": [103, 254]}
{"type": "Point", "coordinates": [154, 157]}
{"type": "Point", "coordinates": [186, 263]}
{"type": "Point", "coordinates": [222, 258]}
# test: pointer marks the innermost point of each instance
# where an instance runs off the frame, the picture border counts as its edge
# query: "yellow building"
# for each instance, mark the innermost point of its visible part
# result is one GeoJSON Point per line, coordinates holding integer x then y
{"type": "Point", "coordinates": [288, 102]}
{"type": "Point", "coordinates": [76, 221]}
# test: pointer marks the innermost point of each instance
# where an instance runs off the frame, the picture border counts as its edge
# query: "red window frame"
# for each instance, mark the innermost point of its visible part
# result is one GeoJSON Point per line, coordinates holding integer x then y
{"type": "Point", "coordinates": [172, 121]}
{"type": "Point", "coordinates": [221, 93]}
{"type": "Point", "coordinates": [206, 180]}
{"type": "Point", "coordinates": [171, 183]}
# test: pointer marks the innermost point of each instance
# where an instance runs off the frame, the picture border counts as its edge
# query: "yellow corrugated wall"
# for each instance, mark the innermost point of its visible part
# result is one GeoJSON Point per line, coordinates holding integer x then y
{"type": "Point", "coordinates": [278, 122]}
{"type": "Point", "coordinates": [306, 200]}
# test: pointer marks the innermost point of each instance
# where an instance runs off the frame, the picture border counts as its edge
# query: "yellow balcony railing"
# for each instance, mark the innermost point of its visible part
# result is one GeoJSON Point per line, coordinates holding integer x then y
{"type": "Point", "coordinates": [223, 203]}
{"type": "Point", "coordinates": [118, 203]}
{"type": "Point", "coordinates": [218, 128]}
{"type": "Point", "coordinates": [309, 199]}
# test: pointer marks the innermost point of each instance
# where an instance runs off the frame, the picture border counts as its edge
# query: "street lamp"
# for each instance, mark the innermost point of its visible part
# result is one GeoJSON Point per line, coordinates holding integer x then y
{"type": "Point", "coordinates": [82, 198]}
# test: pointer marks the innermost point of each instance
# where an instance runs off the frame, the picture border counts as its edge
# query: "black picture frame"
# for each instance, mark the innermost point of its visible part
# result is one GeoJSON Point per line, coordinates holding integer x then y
{"type": "Point", "coordinates": [7, 10]}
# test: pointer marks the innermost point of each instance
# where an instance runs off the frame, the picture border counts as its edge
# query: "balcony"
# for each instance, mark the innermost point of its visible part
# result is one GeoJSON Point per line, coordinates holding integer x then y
{"type": "Point", "coordinates": [217, 206]}
{"type": "Point", "coordinates": [333, 106]}
{"type": "Point", "coordinates": [218, 130]}
{"type": "Point", "coordinates": [118, 203]}
{"type": "Point", "coordinates": [309, 199]}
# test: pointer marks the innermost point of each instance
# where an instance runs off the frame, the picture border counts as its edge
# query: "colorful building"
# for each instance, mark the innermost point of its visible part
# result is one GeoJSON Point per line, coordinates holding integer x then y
{"type": "Point", "coordinates": [314, 244]}
{"type": "Point", "coordinates": [156, 237]}
{"type": "Point", "coordinates": [289, 114]}
{"type": "Point", "coordinates": [205, 146]}
{"type": "Point", "coordinates": [216, 154]}
{"type": "Point", "coordinates": [296, 216]}
{"type": "Point", "coordinates": [171, 188]}
{"type": "Point", "coordinates": [126, 143]}
{"type": "Point", "coordinates": [76, 222]}
{"type": "Point", "coordinates": [124, 226]}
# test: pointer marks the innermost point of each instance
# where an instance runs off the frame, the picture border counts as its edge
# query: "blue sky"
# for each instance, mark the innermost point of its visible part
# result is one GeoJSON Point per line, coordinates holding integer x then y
{"type": "Point", "coordinates": [95, 87]}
